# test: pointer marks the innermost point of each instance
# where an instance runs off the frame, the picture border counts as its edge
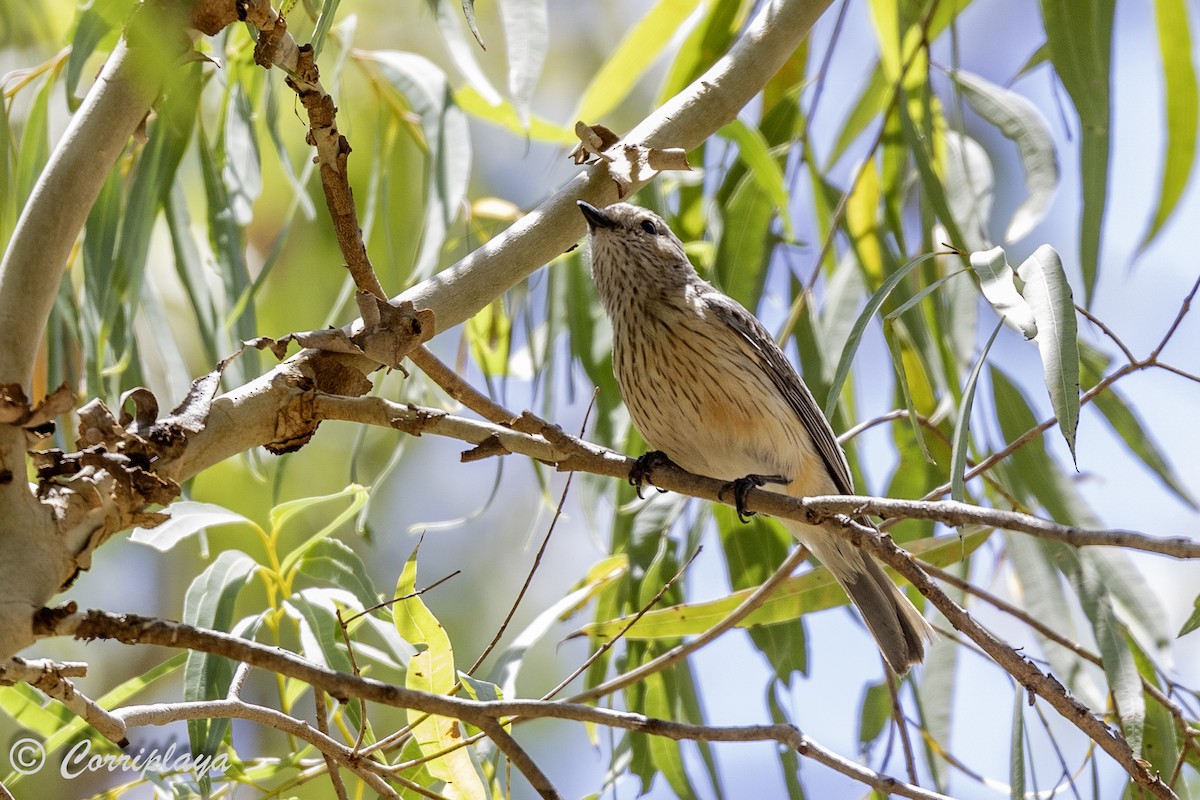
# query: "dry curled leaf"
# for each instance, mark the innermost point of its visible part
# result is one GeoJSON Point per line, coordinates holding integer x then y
{"type": "Point", "coordinates": [15, 408]}
{"type": "Point", "coordinates": [593, 141]}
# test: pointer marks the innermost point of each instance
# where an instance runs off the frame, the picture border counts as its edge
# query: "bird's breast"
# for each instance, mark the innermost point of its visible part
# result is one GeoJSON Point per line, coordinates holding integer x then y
{"type": "Point", "coordinates": [697, 394]}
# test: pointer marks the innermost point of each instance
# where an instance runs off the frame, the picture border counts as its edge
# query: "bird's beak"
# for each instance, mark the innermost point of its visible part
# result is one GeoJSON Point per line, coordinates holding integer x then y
{"type": "Point", "coordinates": [594, 216]}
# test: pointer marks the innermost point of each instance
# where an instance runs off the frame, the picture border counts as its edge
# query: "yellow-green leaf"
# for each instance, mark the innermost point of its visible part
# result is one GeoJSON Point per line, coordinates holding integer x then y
{"type": "Point", "coordinates": [432, 670]}
{"type": "Point", "coordinates": [813, 591]}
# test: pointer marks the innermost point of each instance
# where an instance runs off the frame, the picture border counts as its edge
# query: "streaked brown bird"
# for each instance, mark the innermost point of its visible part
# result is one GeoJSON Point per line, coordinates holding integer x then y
{"type": "Point", "coordinates": [706, 384]}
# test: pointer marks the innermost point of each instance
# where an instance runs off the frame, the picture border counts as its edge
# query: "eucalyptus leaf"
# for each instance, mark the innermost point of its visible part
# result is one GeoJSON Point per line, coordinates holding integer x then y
{"type": "Point", "coordinates": [1050, 299]}
{"type": "Point", "coordinates": [1022, 123]}
{"type": "Point", "coordinates": [996, 282]}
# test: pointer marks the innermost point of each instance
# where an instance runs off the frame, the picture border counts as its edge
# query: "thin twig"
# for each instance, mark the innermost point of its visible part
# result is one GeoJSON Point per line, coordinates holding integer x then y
{"type": "Point", "coordinates": [1184, 307]}
{"type": "Point", "coordinates": [331, 765]}
{"type": "Point", "coordinates": [1129, 356]}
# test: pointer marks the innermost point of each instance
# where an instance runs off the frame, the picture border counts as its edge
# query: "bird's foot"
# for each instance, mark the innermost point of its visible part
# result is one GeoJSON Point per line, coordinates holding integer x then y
{"type": "Point", "coordinates": [742, 486]}
{"type": "Point", "coordinates": [639, 473]}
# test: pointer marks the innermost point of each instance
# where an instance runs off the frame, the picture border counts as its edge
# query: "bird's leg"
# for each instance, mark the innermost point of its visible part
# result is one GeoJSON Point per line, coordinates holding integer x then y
{"type": "Point", "coordinates": [743, 485]}
{"type": "Point", "coordinates": [639, 473]}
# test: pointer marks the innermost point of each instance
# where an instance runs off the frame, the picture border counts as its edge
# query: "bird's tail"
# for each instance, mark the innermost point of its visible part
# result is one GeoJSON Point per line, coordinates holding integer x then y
{"type": "Point", "coordinates": [896, 624]}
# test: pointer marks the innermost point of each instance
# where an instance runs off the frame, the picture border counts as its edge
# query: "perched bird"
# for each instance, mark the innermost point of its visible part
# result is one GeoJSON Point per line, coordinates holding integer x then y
{"type": "Point", "coordinates": [706, 384]}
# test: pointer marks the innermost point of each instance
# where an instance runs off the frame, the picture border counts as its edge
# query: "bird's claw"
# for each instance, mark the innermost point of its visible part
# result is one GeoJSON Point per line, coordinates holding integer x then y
{"type": "Point", "coordinates": [742, 486]}
{"type": "Point", "coordinates": [643, 465]}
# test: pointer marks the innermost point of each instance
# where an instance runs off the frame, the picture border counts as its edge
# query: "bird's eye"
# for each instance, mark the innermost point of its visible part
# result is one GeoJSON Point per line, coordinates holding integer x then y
{"type": "Point", "coordinates": [649, 228]}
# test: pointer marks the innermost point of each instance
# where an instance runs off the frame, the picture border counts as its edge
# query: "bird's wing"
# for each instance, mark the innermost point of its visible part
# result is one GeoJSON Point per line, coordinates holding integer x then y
{"type": "Point", "coordinates": [771, 360]}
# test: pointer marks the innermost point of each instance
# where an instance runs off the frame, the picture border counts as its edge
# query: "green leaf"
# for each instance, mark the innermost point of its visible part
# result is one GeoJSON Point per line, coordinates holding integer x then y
{"type": "Point", "coordinates": [666, 754]}
{"type": "Point", "coordinates": [1016, 759]}
{"type": "Point", "coordinates": [447, 140]}
{"type": "Point", "coordinates": [814, 590]}
{"type": "Point", "coordinates": [1123, 679]}
{"type": "Point", "coordinates": [869, 104]}
{"type": "Point", "coordinates": [187, 517]}
{"type": "Point", "coordinates": [626, 64]}
{"type": "Point", "coordinates": [962, 425]}
{"type": "Point", "coordinates": [755, 152]}
{"type": "Point", "coordinates": [1182, 98]}
{"type": "Point", "coordinates": [99, 21]}
{"type": "Point", "coordinates": [1045, 599]}
{"type": "Point", "coordinates": [526, 40]}
{"type": "Point", "coordinates": [285, 511]}
{"type": "Point", "coordinates": [873, 714]}
{"type": "Point", "coordinates": [432, 670]}
{"type": "Point", "coordinates": [750, 551]}
{"type": "Point", "coordinates": [1049, 296]}
{"type": "Point", "coordinates": [480, 690]}
{"type": "Point", "coordinates": [320, 634]}
{"type": "Point", "coordinates": [1022, 123]}
{"type": "Point", "coordinates": [335, 563]}
{"type": "Point", "coordinates": [710, 40]}
{"type": "Point", "coordinates": [324, 23]}
{"type": "Point", "coordinates": [209, 603]}
{"type": "Point", "coordinates": [504, 114]}
{"type": "Point", "coordinates": [921, 146]}
{"type": "Point", "coordinates": [1193, 621]}
{"type": "Point", "coordinates": [461, 50]}
{"type": "Point", "coordinates": [490, 335]}
{"type": "Point", "coordinates": [860, 327]}
{"type": "Point", "coordinates": [508, 665]}
{"type": "Point", "coordinates": [1079, 34]}
{"type": "Point", "coordinates": [242, 170]}
{"type": "Point", "coordinates": [899, 346]}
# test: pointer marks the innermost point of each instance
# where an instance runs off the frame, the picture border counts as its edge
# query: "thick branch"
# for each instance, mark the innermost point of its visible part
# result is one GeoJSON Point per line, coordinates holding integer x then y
{"type": "Point", "coordinates": [685, 121]}
{"type": "Point", "coordinates": [67, 188]}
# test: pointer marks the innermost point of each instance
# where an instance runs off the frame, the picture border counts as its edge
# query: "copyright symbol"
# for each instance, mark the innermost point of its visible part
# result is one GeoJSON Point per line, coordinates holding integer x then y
{"type": "Point", "coordinates": [26, 756]}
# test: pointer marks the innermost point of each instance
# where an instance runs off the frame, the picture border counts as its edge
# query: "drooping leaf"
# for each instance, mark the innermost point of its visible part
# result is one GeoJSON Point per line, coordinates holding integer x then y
{"type": "Point", "coordinates": [527, 38]}
{"type": "Point", "coordinates": [875, 709]}
{"type": "Point", "coordinates": [1022, 123]}
{"type": "Point", "coordinates": [282, 513]}
{"type": "Point", "coordinates": [324, 24]}
{"type": "Point", "coordinates": [335, 563]}
{"type": "Point", "coordinates": [962, 425]}
{"type": "Point", "coordinates": [755, 152]}
{"type": "Point", "coordinates": [1124, 682]}
{"type": "Point", "coordinates": [209, 603]}
{"type": "Point", "coordinates": [970, 184]}
{"type": "Point", "coordinates": [1050, 299]}
{"type": "Point", "coordinates": [1016, 758]}
{"type": "Point", "coordinates": [1193, 620]}
{"type": "Point", "coordinates": [1182, 100]}
{"type": "Point", "coordinates": [1126, 423]}
{"type": "Point", "coordinates": [447, 143]}
{"type": "Point", "coordinates": [462, 52]}
{"type": "Point", "coordinates": [860, 327]}
{"type": "Point", "coordinates": [1079, 34]}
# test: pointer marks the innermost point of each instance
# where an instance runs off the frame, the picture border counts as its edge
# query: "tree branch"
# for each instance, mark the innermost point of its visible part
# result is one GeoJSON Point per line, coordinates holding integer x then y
{"type": "Point", "coordinates": [573, 454]}
{"type": "Point", "coordinates": [133, 629]}
{"type": "Point", "coordinates": [370, 772]}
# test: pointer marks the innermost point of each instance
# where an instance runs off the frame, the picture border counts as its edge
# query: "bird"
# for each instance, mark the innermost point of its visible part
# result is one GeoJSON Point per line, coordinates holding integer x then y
{"type": "Point", "coordinates": [708, 388]}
